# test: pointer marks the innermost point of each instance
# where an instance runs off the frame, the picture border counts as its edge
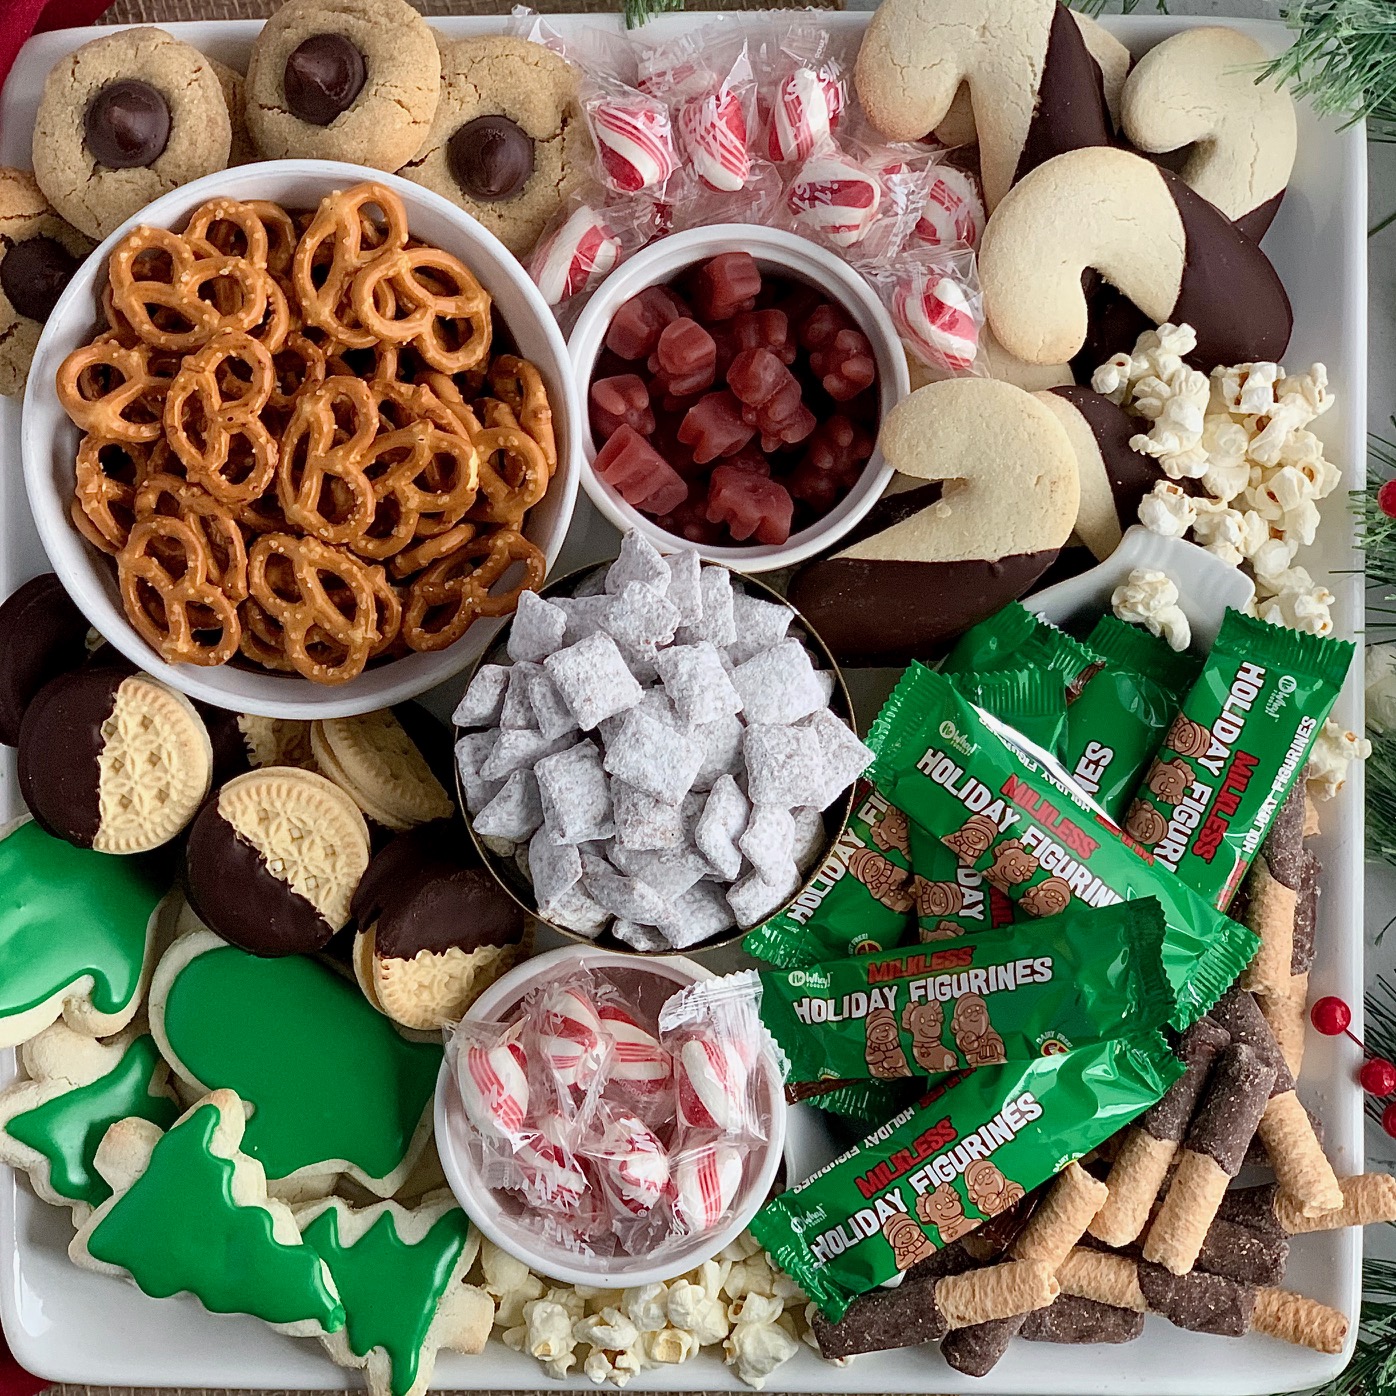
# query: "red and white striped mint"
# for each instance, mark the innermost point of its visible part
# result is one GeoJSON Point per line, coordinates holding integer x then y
{"type": "Point", "coordinates": [636, 1057]}
{"type": "Point", "coordinates": [712, 1083]}
{"type": "Point", "coordinates": [713, 134]}
{"type": "Point", "coordinates": [953, 213]}
{"type": "Point", "coordinates": [576, 257]}
{"type": "Point", "coordinates": [571, 1040]}
{"type": "Point", "coordinates": [634, 1163]}
{"type": "Point", "coordinates": [552, 1176]}
{"type": "Point", "coordinates": [833, 197]}
{"type": "Point", "coordinates": [706, 1183]}
{"type": "Point", "coordinates": [493, 1085]}
{"type": "Point", "coordinates": [806, 109]}
{"type": "Point", "coordinates": [636, 143]}
{"type": "Point", "coordinates": [937, 320]}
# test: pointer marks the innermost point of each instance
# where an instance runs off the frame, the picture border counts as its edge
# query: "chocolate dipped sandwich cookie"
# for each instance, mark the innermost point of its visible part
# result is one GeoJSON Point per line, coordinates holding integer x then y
{"type": "Point", "coordinates": [42, 635]}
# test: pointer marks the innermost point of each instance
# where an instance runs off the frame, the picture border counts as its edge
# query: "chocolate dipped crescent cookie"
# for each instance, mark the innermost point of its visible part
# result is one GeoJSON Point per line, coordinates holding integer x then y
{"type": "Point", "coordinates": [1176, 257]}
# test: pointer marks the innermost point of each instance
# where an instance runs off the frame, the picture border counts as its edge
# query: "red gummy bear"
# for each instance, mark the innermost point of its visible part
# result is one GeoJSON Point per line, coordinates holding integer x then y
{"type": "Point", "coordinates": [844, 366]}
{"type": "Point", "coordinates": [713, 426]}
{"type": "Point", "coordinates": [749, 459]}
{"type": "Point", "coordinates": [772, 396]}
{"type": "Point", "coordinates": [623, 401]}
{"type": "Point", "coordinates": [726, 285]}
{"type": "Point", "coordinates": [684, 359]}
{"type": "Point", "coordinates": [765, 329]}
{"type": "Point", "coordinates": [750, 505]}
{"type": "Point", "coordinates": [635, 329]}
{"type": "Point", "coordinates": [833, 461]}
{"type": "Point", "coordinates": [639, 474]}
{"type": "Point", "coordinates": [690, 522]}
{"type": "Point", "coordinates": [819, 325]}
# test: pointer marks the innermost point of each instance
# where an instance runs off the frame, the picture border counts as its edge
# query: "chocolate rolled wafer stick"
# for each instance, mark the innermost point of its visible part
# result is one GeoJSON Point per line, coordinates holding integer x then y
{"type": "Point", "coordinates": [1237, 1094]}
{"type": "Point", "coordinates": [1238, 1253]}
{"type": "Point", "coordinates": [1148, 1147]}
{"type": "Point", "coordinates": [1287, 1013]}
{"type": "Point", "coordinates": [1295, 1153]}
{"type": "Point", "coordinates": [1201, 1302]}
{"type": "Point", "coordinates": [1258, 1156]}
{"type": "Point", "coordinates": [1071, 1319]}
{"type": "Point", "coordinates": [1271, 897]}
{"type": "Point", "coordinates": [1368, 1198]}
{"type": "Point", "coordinates": [1310, 816]}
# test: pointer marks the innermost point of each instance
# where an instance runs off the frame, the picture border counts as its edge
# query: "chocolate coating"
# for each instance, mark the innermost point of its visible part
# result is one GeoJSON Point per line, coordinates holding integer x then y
{"type": "Point", "coordinates": [42, 635]}
{"type": "Point", "coordinates": [234, 893]}
{"type": "Point", "coordinates": [424, 891]}
{"type": "Point", "coordinates": [127, 125]}
{"type": "Point", "coordinates": [60, 740]}
{"type": "Point", "coordinates": [229, 749]}
{"type": "Point", "coordinates": [1283, 849]}
{"type": "Point", "coordinates": [1253, 1208]}
{"type": "Point", "coordinates": [975, 1350]}
{"type": "Point", "coordinates": [1199, 1302]}
{"type": "Point", "coordinates": [1238, 1012]}
{"type": "Point", "coordinates": [1070, 111]}
{"type": "Point", "coordinates": [1256, 223]}
{"type": "Point", "coordinates": [873, 612]}
{"type": "Point", "coordinates": [1239, 1253]}
{"type": "Point", "coordinates": [1306, 916]}
{"type": "Point", "coordinates": [33, 275]}
{"type": "Point", "coordinates": [1236, 1098]}
{"type": "Point", "coordinates": [1169, 1118]}
{"type": "Point", "coordinates": [490, 157]}
{"type": "Point", "coordinates": [322, 78]}
{"type": "Point", "coordinates": [1130, 473]}
{"type": "Point", "coordinates": [1071, 1319]}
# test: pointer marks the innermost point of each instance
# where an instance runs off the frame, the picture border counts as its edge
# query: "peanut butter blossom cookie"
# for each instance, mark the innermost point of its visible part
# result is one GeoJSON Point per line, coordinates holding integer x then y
{"type": "Point", "coordinates": [352, 80]}
{"type": "Point", "coordinates": [39, 253]}
{"type": "Point", "coordinates": [123, 120]}
{"type": "Point", "coordinates": [509, 142]}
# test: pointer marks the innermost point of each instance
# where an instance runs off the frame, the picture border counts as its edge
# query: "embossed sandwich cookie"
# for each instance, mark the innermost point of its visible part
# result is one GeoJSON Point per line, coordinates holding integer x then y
{"type": "Point", "coordinates": [113, 760]}
{"type": "Point", "coordinates": [276, 741]}
{"type": "Point", "coordinates": [400, 1273]}
{"type": "Point", "coordinates": [334, 1089]}
{"type": "Point", "coordinates": [934, 559]}
{"type": "Point", "coordinates": [1035, 89]}
{"type": "Point", "coordinates": [42, 635]}
{"type": "Point", "coordinates": [373, 759]}
{"type": "Point", "coordinates": [272, 862]}
{"type": "Point", "coordinates": [77, 1088]}
{"type": "Point", "coordinates": [1175, 256]}
{"type": "Point", "coordinates": [78, 935]}
{"type": "Point", "coordinates": [509, 142]}
{"type": "Point", "coordinates": [189, 1214]}
{"type": "Point", "coordinates": [39, 252]}
{"type": "Point", "coordinates": [434, 928]}
{"type": "Point", "coordinates": [124, 119]}
{"type": "Point", "coordinates": [1197, 91]}
{"type": "Point", "coordinates": [354, 80]}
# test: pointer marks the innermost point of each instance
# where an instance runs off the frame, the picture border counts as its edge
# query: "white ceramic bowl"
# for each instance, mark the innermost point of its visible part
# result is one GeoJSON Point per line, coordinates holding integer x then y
{"type": "Point", "coordinates": [496, 1215]}
{"type": "Point", "coordinates": [780, 253]}
{"type": "Point", "coordinates": [49, 439]}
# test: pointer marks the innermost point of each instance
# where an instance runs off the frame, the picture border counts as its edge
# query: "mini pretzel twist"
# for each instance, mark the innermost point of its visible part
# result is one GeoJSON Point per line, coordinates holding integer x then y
{"type": "Point", "coordinates": [321, 484]}
{"type": "Point", "coordinates": [455, 591]}
{"type": "Point", "coordinates": [513, 469]}
{"type": "Point", "coordinates": [401, 296]}
{"type": "Point", "coordinates": [171, 497]}
{"type": "Point", "coordinates": [110, 391]}
{"type": "Point", "coordinates": [256, 230]}
{"type": "Point", "coordinates": [519, 385]}
{"type": "Point", "coordinates": [169, 596]}
{"type": "Point", "coordinates": [213, 417]}
{"type": "Point", "coordinates": [108, 475]}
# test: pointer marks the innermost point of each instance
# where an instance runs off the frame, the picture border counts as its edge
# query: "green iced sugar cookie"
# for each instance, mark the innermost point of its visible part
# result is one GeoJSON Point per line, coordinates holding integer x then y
{"type": "Point", "coordinates": [391, 1288]}
{"type": "Point", "coordinates": [178, 1228]}
{"type": "Point", "coordinates": [67, 1129]}
{"type": "Point", "coordinates": [67, 913]}
{"type": "Point", "coordinates": [327, 1078]}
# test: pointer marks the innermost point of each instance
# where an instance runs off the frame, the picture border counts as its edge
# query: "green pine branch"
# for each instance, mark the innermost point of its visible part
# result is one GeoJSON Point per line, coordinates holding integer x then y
{"type": "Point", "coordinates": [1343, 60]}
{"type": "Point", "coordinates": [1372, 1371]}
{"type": "Point", "coordinates": [637, 12]}
{"type": "Point", "coordinates": [1127, 7]}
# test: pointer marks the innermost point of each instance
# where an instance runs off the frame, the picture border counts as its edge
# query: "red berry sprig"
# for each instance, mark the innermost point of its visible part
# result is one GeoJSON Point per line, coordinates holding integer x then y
{"type": "Point", "coordinates": [1386, 499]}
{"type": "Point", "coordinates": [1333, 1018]}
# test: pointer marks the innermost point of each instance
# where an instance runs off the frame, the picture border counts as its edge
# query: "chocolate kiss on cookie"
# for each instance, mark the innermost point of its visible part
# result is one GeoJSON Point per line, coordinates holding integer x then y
{"type": "Point", "coordinates": [272, 862]}
{"type": "Point", "coordinates": [935, 559]}
{"type": "Point", "coordinates": [1198, 89]}
{"type": "Point", "coordinates": [1114, 477]}
{"type": "Point", "coordinates": [112, 760]}
{"type": "Point", "coordinates": [434, 928]}
{"type": "Point", "coordinates": [42, 635]}
{"type": "Point", "coordinates": [373, 758]}
{"type": "Point", "coordinates": [1176, 257]}
{"type": "Point", "coordinates": [1035, 88]}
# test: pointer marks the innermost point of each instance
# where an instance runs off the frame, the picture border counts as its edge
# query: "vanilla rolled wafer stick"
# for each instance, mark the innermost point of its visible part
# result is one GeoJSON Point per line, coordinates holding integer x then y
{"type": "Point", "coordinates": [1291, 1318]}
{"type": "Point", "coordinates": [1310, 816]}
{"type": "Point", "coordinates": [1270, 897]}
{"type": "Point", "coordinates": [1300, 1165]}
{"type": "Point", "coordinates": [1237, 1094]}
{"type": "Point", "coordinates": [1147, 1147]}
{"type": "Point", "coordinates": [1368, 1198]}
{"type": "Point", "coordinates": [1071, 1319]}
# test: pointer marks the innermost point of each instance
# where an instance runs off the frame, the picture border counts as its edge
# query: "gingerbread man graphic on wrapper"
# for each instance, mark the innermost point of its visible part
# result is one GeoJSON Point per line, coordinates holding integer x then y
{"type": "Point", "coordinates": [973, 839]}
{"type": "Point", "coordinates": [883, 1052]}
{"type": "Point", "coordinates": [974, 1034]}
{"type": "Point", "coordinates": [989, 1190]}
{"type": "Point", "coordinates": [1188, 738]}
{"type": "Point", "coordinates": [1169, 780]}
{"type": "Point", "coordinates": [1144, 824]}
{"type": "Point", "coordinates": [892, 830]}
{"type": "Point", "coordinates": [936, 898]}
{"type": "Point", "coordinates": [910, 1245]}
{"type": "Point", "coordinates": [945, 1210]}
{"type": "Point", "coordinates": [1012, 865]}
{"type": "Point", "coordinates": [925, 1022]}
{"type": "Point", "coordinates": [1050, 897]}
{"type": "Point", "coordinates": [888, 883]}
{"type": "Point", "coordinates": [942, 930]}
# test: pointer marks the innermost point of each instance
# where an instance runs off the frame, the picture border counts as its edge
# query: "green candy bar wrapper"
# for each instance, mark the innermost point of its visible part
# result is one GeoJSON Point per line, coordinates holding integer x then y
{"type": "Point", "coordinates": [1115, 726]}
{"type": "Point", "coordinates": [1031, 701]}
{"type": "Point", "coordinates": [966, 1152]}
{"type": "Point", "coordinates": [1231, 755]}
{"type": "Point", "coordinates": [1013, 816]}
{"type": "Point", "coordinates": [1014, 638]}
{"type": "Point", "coordinates": [1010, 995]}
{"type": "Point", "coordinates": [863, 1103]}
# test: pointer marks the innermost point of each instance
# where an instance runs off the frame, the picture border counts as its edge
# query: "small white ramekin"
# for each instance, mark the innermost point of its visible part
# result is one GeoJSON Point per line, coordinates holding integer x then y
{"type": "Point", "coordinates": [781, 254]}
{"type": "Point", "coordinates": [489, 1210]}
{"type": "Point", "coordinates": [49, 440]}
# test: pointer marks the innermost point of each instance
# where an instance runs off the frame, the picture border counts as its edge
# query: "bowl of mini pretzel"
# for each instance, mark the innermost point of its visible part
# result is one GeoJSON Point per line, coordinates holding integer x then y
{"type": "Point", "coordinates": [298, 435]}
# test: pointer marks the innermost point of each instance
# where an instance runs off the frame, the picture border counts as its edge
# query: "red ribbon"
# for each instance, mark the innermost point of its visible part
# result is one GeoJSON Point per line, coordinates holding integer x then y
{"type": "Point", "coordinates": [21, 18]}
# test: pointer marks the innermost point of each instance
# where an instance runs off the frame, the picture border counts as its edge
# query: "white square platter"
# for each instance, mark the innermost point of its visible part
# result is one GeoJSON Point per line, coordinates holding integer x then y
{"type": "Point", "coordinates": [71, 1325]}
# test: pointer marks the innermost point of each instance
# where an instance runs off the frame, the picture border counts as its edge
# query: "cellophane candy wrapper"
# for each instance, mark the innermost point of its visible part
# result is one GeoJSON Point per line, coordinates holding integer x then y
{"type": "Point", "coordinates": [935, 302]}
{"type": "Point", "coordinates": [607, 1133]}
{"type": "Point", "coordinates": [952, 213]}
{"type": "Point", "coordinates": [803, 92]}
{"type": "Point", "coordinates": [587, 240]}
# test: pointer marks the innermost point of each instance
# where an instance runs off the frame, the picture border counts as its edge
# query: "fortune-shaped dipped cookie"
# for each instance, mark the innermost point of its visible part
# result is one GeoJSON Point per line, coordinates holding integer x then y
{"type": "Point", "coordinates": [934, 559]}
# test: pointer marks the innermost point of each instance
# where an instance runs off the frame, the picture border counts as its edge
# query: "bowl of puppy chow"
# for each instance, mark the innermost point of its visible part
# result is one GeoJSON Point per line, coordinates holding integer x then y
{"type": "Point", "coordinates": [656, 753]}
